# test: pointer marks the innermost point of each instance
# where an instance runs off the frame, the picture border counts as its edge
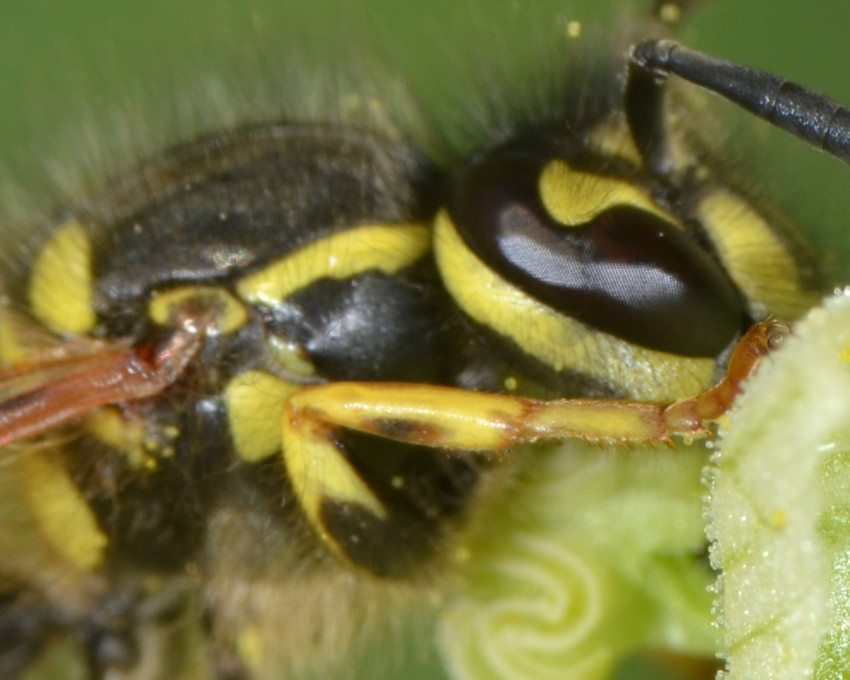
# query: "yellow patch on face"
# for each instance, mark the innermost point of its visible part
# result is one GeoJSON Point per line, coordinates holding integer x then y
{"type": "Point", "coordinates": [574, 198]}
{"type": "Point", "coordinates": [64, 517]}
{"type": "Point", "coordinates": [757, 259]}
{"type": "Point", "coordinates": [382, 247]}
{"type": "Point", "coordinates": [254, 406]}
{"type": "Point", "coordinates": [60, 289]}
{"type": "Point", "coordinates": [228, 313]}
{"type": "Point", "coordinates": [557, 340]}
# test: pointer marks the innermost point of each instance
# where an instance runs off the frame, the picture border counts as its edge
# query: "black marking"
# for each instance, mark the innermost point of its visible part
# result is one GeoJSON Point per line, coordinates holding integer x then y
{"type": "Point", "coordinates": [424, 493]}
{"type": "Point", "coordinates": [373, 326]}
{"type": "Point", "coordinates": [28, 624]}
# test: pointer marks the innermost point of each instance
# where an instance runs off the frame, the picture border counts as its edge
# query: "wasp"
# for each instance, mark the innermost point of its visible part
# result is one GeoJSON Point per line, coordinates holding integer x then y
{"type": "Point", "coordinates": [254, 388]}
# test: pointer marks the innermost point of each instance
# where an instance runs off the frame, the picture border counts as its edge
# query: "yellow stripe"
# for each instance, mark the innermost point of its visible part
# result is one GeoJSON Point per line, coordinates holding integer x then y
{"type": "Point", "coordinates": [557, 340]}
{"type": "Point", "coordinates": [63, 515]}
{"type": "Point", "coordinates": [385, 247]}
{"type": "Point", "coordinates": [61, 284]}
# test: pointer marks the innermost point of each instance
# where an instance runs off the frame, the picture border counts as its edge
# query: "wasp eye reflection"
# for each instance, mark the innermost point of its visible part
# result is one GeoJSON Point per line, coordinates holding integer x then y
{"type": "Point", "coordinates": [622, 269]}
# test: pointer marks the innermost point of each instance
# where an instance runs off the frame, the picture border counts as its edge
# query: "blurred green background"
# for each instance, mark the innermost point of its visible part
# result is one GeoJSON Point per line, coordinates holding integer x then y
{"type": "Point", "coordinates": [60, 61]}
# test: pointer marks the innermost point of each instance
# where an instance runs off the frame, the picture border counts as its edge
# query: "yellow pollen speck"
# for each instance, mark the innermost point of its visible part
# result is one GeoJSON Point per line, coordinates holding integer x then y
{"type": "Point", "coordinates": [462, 555]}
{"type": "Point", "coordinates": [670, 13]}
{"type": "Point", "coordinates": [844, 355]}
{"type": "Point", "coordinates": [573, 29]}
{"type": "Point", "coordinates": [779, 518]}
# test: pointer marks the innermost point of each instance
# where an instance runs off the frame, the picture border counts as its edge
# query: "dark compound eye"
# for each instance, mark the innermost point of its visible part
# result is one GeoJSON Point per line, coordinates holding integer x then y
{"type": "Point", "coordinates": [624, 269]}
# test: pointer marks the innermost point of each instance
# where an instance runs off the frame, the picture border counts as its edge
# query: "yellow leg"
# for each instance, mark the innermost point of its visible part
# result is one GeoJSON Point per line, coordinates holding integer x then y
{"type": "Point", "coordinates": [463, 420]}
{"type": "Point", "coordinates": [458, 419]}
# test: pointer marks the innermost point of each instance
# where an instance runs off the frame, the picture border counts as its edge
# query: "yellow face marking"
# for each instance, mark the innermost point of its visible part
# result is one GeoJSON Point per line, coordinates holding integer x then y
{"type": "Point", "coordinates": [62, 513]}
{"type": "Point", "coordinates": [573, 198]}
{"type": "Point", "coordinates": [384, 247]}
{"type": "Point", "coordinates": [229, 313]}
{"type": "Point", "coordinates": [254, 406]}
{"type": "Point", "coordinates": [559, 341]}
{"type": "Point", "coordinates": [758, 261]}
{"type": "Point", "coordinates": [61, 286]}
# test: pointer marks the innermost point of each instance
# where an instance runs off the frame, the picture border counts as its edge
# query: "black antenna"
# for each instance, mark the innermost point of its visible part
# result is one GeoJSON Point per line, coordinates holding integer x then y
{"type": "Point", "coordinates": [810, 116]}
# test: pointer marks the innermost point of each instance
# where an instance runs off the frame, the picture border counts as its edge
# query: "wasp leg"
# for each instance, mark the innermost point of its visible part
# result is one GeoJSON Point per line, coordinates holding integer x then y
{"type": "Point", "coordinates": [39, 397]}
{"type": "Point", "coordinates": [810, 116]}
{"type": "Point", "coordinates": [465, 421]}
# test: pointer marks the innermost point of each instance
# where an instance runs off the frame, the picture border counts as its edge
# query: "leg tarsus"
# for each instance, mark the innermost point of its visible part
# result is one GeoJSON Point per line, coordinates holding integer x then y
{"type": "Point", "coordinates": [685, 416]}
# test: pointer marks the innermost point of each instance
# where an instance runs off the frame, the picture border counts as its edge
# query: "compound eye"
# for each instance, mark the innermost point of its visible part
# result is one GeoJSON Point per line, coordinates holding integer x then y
{"type": "Point", "coordinates": [597, 250]}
